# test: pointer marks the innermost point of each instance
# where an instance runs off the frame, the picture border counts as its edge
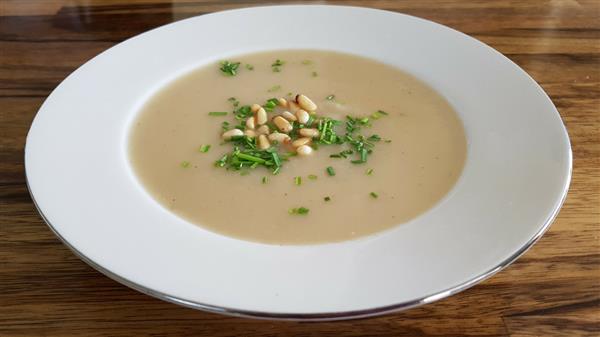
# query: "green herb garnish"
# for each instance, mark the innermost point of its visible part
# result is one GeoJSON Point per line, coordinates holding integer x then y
{"type": "Point", "coordinates": [274, 88]}
{"type": "Point", "coordinates": [204, 148]}
{"type": "Point", "coordinates": [225, 126]}
{"type": "Point", "coordinates": [327, 198]}
{"type": "Point", "coordinates": [222, 162]}
{"type": "Point", "coordinates": [234, 101]}
{"type": "Point", "coordinates": [343, 154]}
{"type": "Point", "coordinates": [374, 138]}
{"type": "Point", "coordinates": [243, 112]}
{"type": "Point", "coordinates": [312, 177]}
{"type": "Point", "coordinates": [299, 211]}
{"type": "Point", "coordinates": [378, 114]}
{"type": "Point", "coordinates": [298, 181]}
{"type": "Point", "coordinates": [185, 164]}
{"type": "Point", "coordinates": [327, 134]}
{"type": "Point", "coordinates": [271, 104]}
{"type": "Point", "coordinates": [276, 66]}
{"type": "Point", "coordinates": [265, 180]}
{"type": "Point", "coordinates": [249, 66]}
{"type": "Point", "coordinates": [374, 195]}
{"type": "Point", "coordinates": [245, 154]}
{"type": "Point", "coordinates": [369, 171]}
{"type": "Point", "coordinates": [229, 68]}
{"type": "Point", "coordinates": [330, 171]}
{"type": "Point", "coordinates": [217, 113]}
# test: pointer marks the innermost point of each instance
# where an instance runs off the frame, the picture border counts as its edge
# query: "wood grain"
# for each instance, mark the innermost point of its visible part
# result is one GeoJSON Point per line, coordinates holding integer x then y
{"type": "Point", "coordinates": [553, 290]}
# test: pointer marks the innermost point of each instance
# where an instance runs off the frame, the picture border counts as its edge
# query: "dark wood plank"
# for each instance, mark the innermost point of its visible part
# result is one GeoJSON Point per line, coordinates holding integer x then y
{"type": "Point", "coordinates": [553, 290]}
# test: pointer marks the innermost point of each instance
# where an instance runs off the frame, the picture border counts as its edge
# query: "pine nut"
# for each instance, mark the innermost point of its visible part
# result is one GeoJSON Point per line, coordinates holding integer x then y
{"type": "Point", "coordinates": [312, 133]}
{"type": "Point", "coordinates": [250, 133]}
{"type": "Point", "coordinates": [293, 106]}
{"type": "Point", "coordinates": [250, 123]}
{"type": "Point", "coordinates": [304, 150]}
{"type": "Point", "coordinates": [302, 116]}
{"type": "Point", "coordinates": [254, 108]}
{"type": "Point", "coordinates": [306, 103]}
{"type": "Point", "coordinates": [261, 116]}
{"type": "Point", "coordinates": [282, 102]}
{"type": "Point", "coordinates": [289, 116]}
{"type": "Point", "coordinates": [263, 130]}
{"type": "Point", "coordinates": [279, 137]}
{"type": "Point", "coordinates": [232, 133]}
{"type": "Point", "coordinates": [282, 124]}
{"type": "Point", "coordinates": [300, 141]}
{"type": "Point", "coordinates": [263, 142]}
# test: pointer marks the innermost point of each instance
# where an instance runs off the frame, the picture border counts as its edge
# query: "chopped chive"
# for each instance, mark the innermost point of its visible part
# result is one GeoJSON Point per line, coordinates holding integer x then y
{"type": "Point", "coordinates": [298, 181]}
{"type": "Point", "coordinates": [307, 62]}
{"type": "Point", "coordinates": [249, 66]}
{"type": "Point", "coordinates": [274, 88]}
{"type": "Point", "coordinates": [312, 177]}
{"type": "Point", "coordinates": [229, 68]}
{"type": "Point", "coordinates": [374, 195]}
{"type": "Point", "coordinates": [276, 66]}
{"type": "Point", "coordinates": [303, 210]}
{"type": "Point", "coordinates": [204, 148]}
{"type": "Point", "coordinates": [314, 74]}
{"type": "Point", "coordinates": [221, 162]}
{"type": "Point", "coordinates": [243, 112]}
{"type": "Point", "coordinates": [217, 113]}
{"type": "Point", "coordinates": [276, 159]}
{"type": "Point", "coordinates": [369, 171]}
{"type": "Point", "coordinates": [234, 101]}
{"type": "Point", "coordinates": [299, 211]}
{"type": "Point", "coordinates": [374, 138]}
{"type": "Point", "coordinates": [225, 126]}
{"type": "Point", "coordinates": [327, 198]}
{"type": "Point", "coordinates": [330, 171]}
{"type": "Point", "coordinates": [330, 97]}
{"type": "Point", "coordinates": [185, 164]}
{"type": "Point", "coordinates": [382, 112]}
{"type": "Point", "coordinates": [251, 158]}
{"type": "Point", "coordinates": [363, 156]}
{"type": "Point", "coordinates": [270, 104]}
{"type": "Point", "coordinates": [265, 180]}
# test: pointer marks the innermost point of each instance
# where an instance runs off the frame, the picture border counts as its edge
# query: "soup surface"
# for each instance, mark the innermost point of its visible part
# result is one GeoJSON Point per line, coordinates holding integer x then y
{"type": "Point", "coordinates": [416, 160]}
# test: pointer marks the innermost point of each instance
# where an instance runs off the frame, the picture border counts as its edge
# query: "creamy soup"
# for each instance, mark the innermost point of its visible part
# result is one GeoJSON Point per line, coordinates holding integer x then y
{"type": "Point", "coordinates": [414, 147]}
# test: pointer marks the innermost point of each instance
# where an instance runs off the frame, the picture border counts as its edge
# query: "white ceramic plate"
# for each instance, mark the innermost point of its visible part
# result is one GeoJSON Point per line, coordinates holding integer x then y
{"type": "Point", "coordinates": [515, 179]}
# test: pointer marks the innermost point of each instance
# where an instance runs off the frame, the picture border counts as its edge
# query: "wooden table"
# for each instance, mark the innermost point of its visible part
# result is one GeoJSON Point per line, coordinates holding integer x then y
{"type": "Point", "coordinates": [553, 290]}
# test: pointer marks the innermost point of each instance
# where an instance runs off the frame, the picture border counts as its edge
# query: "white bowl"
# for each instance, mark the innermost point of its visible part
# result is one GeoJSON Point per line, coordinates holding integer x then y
{"type": "Point", "coordinates": [515, 178]}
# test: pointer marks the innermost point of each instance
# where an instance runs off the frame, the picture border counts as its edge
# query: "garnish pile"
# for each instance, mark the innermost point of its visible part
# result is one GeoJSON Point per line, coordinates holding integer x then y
{"type": "Point", "coordinates": [267, 135]}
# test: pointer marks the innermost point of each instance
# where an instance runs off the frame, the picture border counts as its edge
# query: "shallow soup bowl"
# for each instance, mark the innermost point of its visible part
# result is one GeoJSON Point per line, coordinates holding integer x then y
{"type": "Point", "coordinates": [514, 181]}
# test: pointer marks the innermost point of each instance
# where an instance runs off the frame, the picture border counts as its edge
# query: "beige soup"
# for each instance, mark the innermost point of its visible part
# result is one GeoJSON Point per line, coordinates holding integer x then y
{"type": "Point", "coordinates": [402, 178]}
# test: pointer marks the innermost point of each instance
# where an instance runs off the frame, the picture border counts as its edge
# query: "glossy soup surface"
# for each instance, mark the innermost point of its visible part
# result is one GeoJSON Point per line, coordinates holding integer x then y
{"type": "Point", "coordinates": [409, 175]}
